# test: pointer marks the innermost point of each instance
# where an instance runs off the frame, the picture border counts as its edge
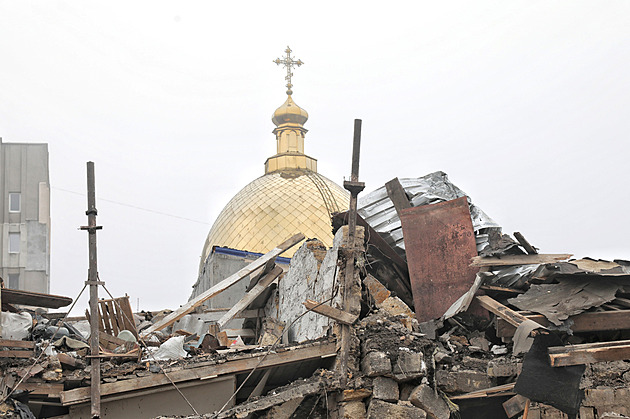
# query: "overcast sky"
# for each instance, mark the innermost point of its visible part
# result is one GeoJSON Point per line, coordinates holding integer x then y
{"type": "Point", "coordinates": [524, 104]}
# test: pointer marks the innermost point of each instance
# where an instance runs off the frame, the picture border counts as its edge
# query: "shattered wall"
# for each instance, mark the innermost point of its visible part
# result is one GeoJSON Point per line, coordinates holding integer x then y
{"type": "Point", "coordinates": [313, 274]}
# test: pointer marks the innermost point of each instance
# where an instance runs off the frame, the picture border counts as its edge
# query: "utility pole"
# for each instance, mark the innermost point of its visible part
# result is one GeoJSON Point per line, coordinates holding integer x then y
{"type": "Point", "coordinates": [354, 186]}
{"type": "Point", "coordinates": [93, 282]}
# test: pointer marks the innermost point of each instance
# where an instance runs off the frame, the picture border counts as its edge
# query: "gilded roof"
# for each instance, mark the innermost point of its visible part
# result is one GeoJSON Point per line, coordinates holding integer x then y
{"type": "Point", "coordinates": [274, 207]}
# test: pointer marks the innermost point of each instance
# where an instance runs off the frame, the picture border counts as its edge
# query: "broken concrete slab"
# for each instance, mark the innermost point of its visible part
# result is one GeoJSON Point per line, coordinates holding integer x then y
{"type": "Point", "coordinates": [384, 388]}
{"type": "Point", "coordinates": [376, 363]}
{"type": "Point", "coordinates": [426, 398]}
{"type": "Point", "coordinates": [379, 409]}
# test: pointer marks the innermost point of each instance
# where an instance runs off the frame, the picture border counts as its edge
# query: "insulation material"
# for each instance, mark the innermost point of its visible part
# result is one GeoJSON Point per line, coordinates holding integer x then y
{"type": "Point", "coordinates": [16, 326]}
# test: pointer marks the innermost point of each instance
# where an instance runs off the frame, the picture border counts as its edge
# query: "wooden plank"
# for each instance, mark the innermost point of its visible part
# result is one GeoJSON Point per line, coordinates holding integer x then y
{"type": "Point", "coordinates": [105, 322]}
{"type": "Point", "coordinates": [223, 285]}
{"type": "Point", "coordinates": [505, 260]}
{"type": "Point", "coordinates": [36, 299]}
{"type": "Point", "coordinates": [45, 389]}
{"type": "Point", "coordinates": [397, 195]}
{"type": "Point", "coordinates": [501, 390]}
{"type": "Point", "coordinates": [124, 307]}
{"type": "Point", "coordinates": [112, 317]}
{"type": "Point", "coordinates": [250, 296]}
{"type": "Point", "coordinates": [331, 312]}
{"type": "Point", "coordinates": [8, 343]}
{"type": "Point", "coordinates": [16, 354]}
{"type": "Point", "coordinates": [68, 360]}
{"type": "Point", "coordinates": [512, 317]}
{"type": "Point", "coordinates": [515, 405]}
{"type": "Point", "coordinates": [583, 322]}
{"type": "Point", "coordinates": [243, 333]}
{"type": "Point", "coordinates": [562, 356]}
{"type": "Point", "coordinates": [82, 394]}
{"type": "Point", "coordinates": [104, 337]}
{"type": "Point", "coordinates": [523, 242]}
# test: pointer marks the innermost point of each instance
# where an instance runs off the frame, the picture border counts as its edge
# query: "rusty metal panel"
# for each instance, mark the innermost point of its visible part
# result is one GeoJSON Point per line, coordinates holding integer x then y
{"type": "Point", "coordinates": [440, 242]}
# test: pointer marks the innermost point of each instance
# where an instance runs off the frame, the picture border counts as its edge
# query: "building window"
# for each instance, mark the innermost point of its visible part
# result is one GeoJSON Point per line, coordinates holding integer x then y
{"type": "Point", "coordinates": [14, 281]}
{"type": "Point", "coordinates": [14, 242]}
{"type": "Point", "coordinates": [14, 202]}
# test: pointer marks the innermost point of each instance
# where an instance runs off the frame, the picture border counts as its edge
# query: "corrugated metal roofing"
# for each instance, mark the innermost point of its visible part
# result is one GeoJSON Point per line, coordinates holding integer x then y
{"type": "Point", "coordinates": [378, 210]}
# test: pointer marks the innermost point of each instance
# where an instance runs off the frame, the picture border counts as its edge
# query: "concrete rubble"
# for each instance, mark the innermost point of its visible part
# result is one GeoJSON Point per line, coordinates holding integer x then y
{"type": "Point", "coordinates": [275, 351]}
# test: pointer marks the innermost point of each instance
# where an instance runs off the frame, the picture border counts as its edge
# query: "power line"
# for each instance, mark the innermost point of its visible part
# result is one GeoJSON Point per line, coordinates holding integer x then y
{"type": "Point", "coordinates": [134, 207]}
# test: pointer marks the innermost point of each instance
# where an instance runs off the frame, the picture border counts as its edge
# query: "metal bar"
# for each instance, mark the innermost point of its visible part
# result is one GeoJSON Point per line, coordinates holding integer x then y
{"type": "Point", "coordinates": [95, 375]}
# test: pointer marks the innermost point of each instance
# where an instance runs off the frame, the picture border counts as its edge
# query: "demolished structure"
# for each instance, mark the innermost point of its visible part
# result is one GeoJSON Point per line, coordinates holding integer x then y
{"type": "Point", "coordinates": [517, 334]}
{"type": "Point", "coordinates": [412, 304]}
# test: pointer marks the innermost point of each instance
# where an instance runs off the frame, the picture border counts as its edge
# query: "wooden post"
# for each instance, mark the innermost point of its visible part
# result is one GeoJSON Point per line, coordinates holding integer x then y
{"type": "Point", "coordinates": [95, 375]}
{"type": "Point", "coordinates": [354, 186]}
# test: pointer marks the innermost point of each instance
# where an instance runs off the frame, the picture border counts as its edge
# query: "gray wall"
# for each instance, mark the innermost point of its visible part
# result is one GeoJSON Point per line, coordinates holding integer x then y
{"type": "Point", "coordinates": [24, 170]}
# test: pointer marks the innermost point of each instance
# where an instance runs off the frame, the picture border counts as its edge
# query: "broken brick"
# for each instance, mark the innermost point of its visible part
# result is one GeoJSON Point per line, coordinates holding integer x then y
{"type": "Point", "coordinates": [385, 389]}
{"type": "Point", "coordinates": [376, 363]}
{"type": "Point", "coordinates": [379, 409]}
{"type": "Point", "coordinates": [428, 400]}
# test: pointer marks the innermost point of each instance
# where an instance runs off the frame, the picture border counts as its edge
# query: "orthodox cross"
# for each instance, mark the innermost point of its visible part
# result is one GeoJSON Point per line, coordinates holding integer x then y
{"type": "Point", "coordinates": [288, 63]}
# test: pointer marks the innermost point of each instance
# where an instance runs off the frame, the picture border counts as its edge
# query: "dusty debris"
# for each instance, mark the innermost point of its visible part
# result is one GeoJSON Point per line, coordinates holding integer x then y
{"type": "Point", "coordinates": [469, 353]}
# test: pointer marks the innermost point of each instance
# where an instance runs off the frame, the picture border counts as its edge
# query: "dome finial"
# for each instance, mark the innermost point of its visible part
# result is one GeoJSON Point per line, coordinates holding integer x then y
{"type": "Point", "coordinates": [288, 63]}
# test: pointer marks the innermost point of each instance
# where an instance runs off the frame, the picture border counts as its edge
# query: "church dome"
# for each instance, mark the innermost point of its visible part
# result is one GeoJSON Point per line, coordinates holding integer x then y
{"type": "Point", "coordinates": [290, 198]}
{"type": "Point", "coordinates": [290, 113]}
{"type": "Point", "coordinates": [273, 208]}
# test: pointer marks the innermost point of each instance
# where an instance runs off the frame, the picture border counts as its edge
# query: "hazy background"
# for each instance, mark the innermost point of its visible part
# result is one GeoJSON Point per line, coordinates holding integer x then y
{"type": "Point", "coordinates": [523, 103]}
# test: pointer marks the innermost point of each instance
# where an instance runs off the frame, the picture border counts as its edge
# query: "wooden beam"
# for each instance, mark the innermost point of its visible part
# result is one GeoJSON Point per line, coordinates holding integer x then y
{"type": "Point", "coordinates": [222, 286]}
{"type": "Point", "coordinates": [583, 322]}
{"type": "Point", "coordinates": [512, 317]}
{"type": "Point", "coordinates": [331, 312]}
{"type": "Point", "coordinates": [8, 343]}
{"type": "Point", "coordinates": [523, 241]}
{"type": "Point", "coordinates": [397, 195]}
{"type": "Point", "coordinates": [36, 299]}
{"type": "Point", "coordinates": [17, 354]}
{"type": "Point", "coordinates": [250, 296]}
{"type": "Point", "coordinates": [82, 394]}
{"type": "Point", "coordinates": [562, 356]}
{"type": "Point", "coordinates": [505, 260]}
{"type": "Point", "coordinates": [45, 389]}
{"type": "Point", "coordinates": [502, 390]}
{"type": "Point", "coordinates": [515, 405]}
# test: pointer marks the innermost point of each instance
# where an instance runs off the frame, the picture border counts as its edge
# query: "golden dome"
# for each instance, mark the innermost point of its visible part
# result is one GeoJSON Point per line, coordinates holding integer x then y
{"type": "Point", "coordinates": [274, 207]}
{"type": "Point", "coordinates": [289, 113]}
{"type": "Point", "coordinates": [290, 198]}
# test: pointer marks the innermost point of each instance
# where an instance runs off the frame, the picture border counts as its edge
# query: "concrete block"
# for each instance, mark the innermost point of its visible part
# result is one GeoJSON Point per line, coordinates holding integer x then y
{"type": "Point", "coordinates": [599, 397]}
{"type": "Point", "coordinates": [611, 412]}
{"type": "Point", "coordinates": [548, 412]}
{"type": "Point", "coordinates": [285, 410]}
{"type": "Point", "coordinates": [503, 368]}
{"type": "Point", "coordinates": [462, 381]}
{"type": "Point", "coordinates": [405, 391]}
{"type": "Point", "coordinates": [408, 366]}
{"type": "Point", "coordinates": [587, 413]}
{"type": "Point", "coordinates": [425, 398]}
{"type": "Point", "coordinates": [379, 409]}
{"type": "Point", "coordinates": [352, 410]}
{"type": "Point", "coordinates": [354, 394]}
{"type": "Point", "coordinates": [376, 363]}
{"type": "Point", "coordinates": [385, 389]}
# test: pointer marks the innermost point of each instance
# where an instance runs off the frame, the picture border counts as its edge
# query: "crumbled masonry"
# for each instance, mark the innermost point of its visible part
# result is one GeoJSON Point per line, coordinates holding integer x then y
{"type": "Point", "coordinates": [276, 354]}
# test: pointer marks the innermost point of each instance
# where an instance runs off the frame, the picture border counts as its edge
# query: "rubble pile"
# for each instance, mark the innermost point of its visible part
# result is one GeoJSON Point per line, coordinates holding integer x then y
{"type": "Point", "coordinates": [457, 321]}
